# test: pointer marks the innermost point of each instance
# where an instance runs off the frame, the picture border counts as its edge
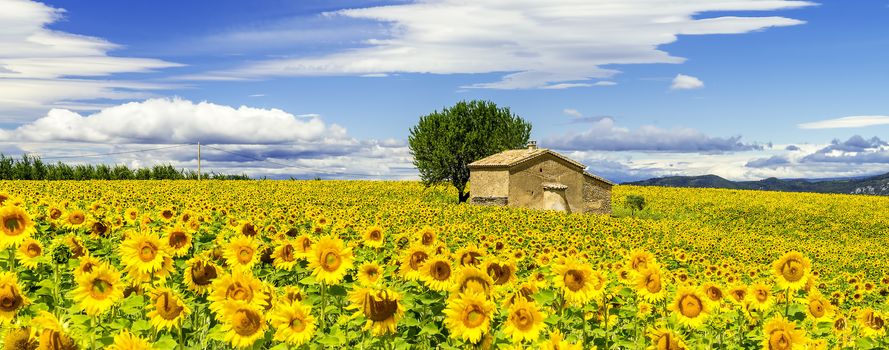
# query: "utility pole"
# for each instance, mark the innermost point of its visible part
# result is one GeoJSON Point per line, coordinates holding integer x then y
{"type": "Point", "coordinates": [199, 161]}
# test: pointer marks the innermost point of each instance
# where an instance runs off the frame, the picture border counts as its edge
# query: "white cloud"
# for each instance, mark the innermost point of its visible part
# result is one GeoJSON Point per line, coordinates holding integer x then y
{"type": "Point", "coordinates": [39, 63]}
{"type": "Point", "coordinates": [686, 82]}
{"type": "Point", "coordinates": [572, 112]}
{"type": "Point", "coordinates": [169, 121]}
{"type": "Point", "coordinates": [550, 44]}
{"type": "Point", "coordinates": [604, 135]}
{"type": "Point", "coordinates": [859, 121]}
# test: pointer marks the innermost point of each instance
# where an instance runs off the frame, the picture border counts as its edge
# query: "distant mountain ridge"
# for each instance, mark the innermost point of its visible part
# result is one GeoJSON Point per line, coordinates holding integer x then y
{"type": "Point", "coordinates": [872, 185]}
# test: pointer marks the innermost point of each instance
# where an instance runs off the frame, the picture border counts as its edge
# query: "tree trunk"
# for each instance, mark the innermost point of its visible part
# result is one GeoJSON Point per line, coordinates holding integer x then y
{"type": "Point", "coordinates": [463, 197]}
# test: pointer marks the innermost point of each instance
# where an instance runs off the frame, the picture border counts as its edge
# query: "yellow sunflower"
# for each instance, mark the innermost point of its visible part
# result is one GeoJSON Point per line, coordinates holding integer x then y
{"type": "Point", "coordinates": [303, 245]}
{"type": "Point", "coordinates": [665, 339]}
{"type": "Point", "coordinates": [373, 237]}
{"type": "Point", "coordinates": [16, 226]}
{"type": "Point", "coordinates": [293, 323]}
{"type": "Point", "coordinates": [143, 253]}
{"type": "Point", "coordinates": [781, 334]}
{"type": "Point", "coordinates": [691, 307]}
{"type": "Point", "coordinates": [502, 272]}
{"type": "Point", "coordinates": [178, 239]}
{"type": "Point", "coordinates": [129, 341]}
{"type": "Point", "coordinates": [131, 215]}
{"type": "Point", "coordinates": [19, 338]}
{"type": "Point", "coordinates": [578, 282]}
{"type": "Point", "coordinates": [75, 219]}
{"type": "Point", "coordinates": [524, 321]}
{"type": "Point", "coordinates": [468, 316]}
{"type": "Point", "coordinates": [247, 229]}
{"type": "Point", "coordinates": [285, 255]}
{"type": "Point", "coordinates": [98, 289]}
{"type": "Point", "coordinates": [557, 342]}
{"type": "Point", "coordinates": [329, 260]}
{"type": "Point", "coordinates": [818, 307]}
{"type": "Point", "coordinates": [469, 255]}
{"type": "Point", "coordinates": [199, 274]}
{"type": "Point", "coordinates": [241, 252]}
{"type": "Point", "coordinates": [759, 297]}
{"type": "Point", "coordinates": [639, 260]}
{"type": "Point", "coordinates": [11, 298]}
{"type": "Point", "coordinates": [381, 307]}
{"type": "Point", "coordinates": [239, 287]}
{"type": "Point", "coordinates": [649, 284]}
{"type": "Point", "coordinates": [872, 323]}
{"type": "Point", "coordinates": [53, 333]}
{"type": "Point", "coordinates": [167, 309]}
{"type": "Point", "coordinates": [437, 273]}
{"type": "Point", "coordinates": [411, 261]}
{"type": "Point", "coordinates": [792, 270]}
{"type": "Point", "coordinates": [713, 292]}
{"type": "Point", "coordinates": [738, 294]}
{"type": "Point", "coordinates": [243, 324]}
{"type": "Point", "coordinates": [426, 236]}
{"type": "Point", "coordinates": [470, 279]}
{"type": "Point", "coordinates": [30, 253]}
{"type": "Point", "coordinates": [369, 273]}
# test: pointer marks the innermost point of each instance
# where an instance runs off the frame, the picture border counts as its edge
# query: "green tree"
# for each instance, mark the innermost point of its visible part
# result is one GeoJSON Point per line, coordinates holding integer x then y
{"type": "Point", "coordinates": [444, 143]}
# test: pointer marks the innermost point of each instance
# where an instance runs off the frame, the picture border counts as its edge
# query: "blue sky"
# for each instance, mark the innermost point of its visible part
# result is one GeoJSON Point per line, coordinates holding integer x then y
{"type": "Point", "coordinates": [743, 89]}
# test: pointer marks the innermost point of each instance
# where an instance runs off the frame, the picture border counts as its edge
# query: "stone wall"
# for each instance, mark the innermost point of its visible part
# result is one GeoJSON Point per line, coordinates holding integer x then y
{"type": "Point", "coordinates": [596, 196]}
{"type": "Point", "coordinates": [488, 183]}
{"type": "Point", "coordinates": [526, 182]}
{"type": "Point", "coordinates": [489, 201]}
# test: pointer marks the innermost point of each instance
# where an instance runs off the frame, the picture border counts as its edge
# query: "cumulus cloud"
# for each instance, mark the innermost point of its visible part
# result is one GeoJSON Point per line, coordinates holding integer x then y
{"type": "Point", "coordinates": [686, 82]}
{"type": "Point", "coordinates": [168, 121]}
{"type": "Point", "coordinates": [855, 150]}
{"type": "Point", "coordinates": [604, 135]}
{"type": "Point", "coordinates": [572, 112]}
{"type": "Point", "coordinates": [773, 161]}
{"type": "Point", "coordinates": [553, 44]}
{"type": "Point", "coordinates": [859, 121]}
{"type": "Point", "coordinates": [39, 64]}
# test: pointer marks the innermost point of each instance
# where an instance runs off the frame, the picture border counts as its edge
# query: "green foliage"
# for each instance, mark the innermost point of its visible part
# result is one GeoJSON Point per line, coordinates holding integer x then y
{"type": "Point", "coordinates": [32, 168]}
{"type": "Point", "coordinates": [444, 143]}
{"type": "Point", "coordinates": [635, 202]}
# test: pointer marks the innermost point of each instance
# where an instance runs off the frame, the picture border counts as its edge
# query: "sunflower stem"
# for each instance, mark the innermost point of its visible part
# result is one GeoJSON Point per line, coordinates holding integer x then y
{"type": "Point", "coordinates": [787, 303]}
{"type": "Point", "coordinates": [92, 332]}
{"type": "Point", "coordinates": [11, 259]}
{"type": "Point", "coordinates": [323, 305]}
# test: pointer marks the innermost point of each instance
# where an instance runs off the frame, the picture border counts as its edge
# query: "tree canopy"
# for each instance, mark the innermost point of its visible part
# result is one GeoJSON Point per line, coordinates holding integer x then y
{"type": "Point", "coordinates": [444, 142]}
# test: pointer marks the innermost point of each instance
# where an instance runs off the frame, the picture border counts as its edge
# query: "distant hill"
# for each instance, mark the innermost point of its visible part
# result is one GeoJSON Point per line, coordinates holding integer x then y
{"type": "Point", "coordinates": [874, 185]}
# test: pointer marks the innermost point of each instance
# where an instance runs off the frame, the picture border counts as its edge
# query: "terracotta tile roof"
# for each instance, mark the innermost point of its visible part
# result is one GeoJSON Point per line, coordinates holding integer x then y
{"type": "Point", "coordinates": [513, 157]}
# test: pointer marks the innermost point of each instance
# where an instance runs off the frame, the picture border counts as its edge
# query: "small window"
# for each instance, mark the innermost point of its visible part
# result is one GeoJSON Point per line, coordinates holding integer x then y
{"type": "Point", "coordinates": [541, 170]}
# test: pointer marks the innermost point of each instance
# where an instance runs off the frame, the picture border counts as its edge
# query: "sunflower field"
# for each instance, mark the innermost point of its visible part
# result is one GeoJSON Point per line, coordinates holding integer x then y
{"type": "Point", "coordinates": [394, 265]}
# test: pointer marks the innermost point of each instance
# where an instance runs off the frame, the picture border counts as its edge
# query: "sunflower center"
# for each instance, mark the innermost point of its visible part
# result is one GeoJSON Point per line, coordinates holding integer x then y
{"type": "Point", "coordinates": [499, 273]}
{"type": "Point", "coordinates": [653, 283]}
{"type": "Point", "coordinates": [248, 230]}
{"type": "Point", "coordinates": [55, 213]}
{"type": "Point", "coordinates": [441, 271]}
{"type": "Point", "coordinates": [14, 225]}
{"type": "Point", "coordinates": [76, 218]}
{"type": "Point", "coordinates": [297, 325]}
{"type": "Point", "coordinates": [476, 284]}
{"type": "Point", "coordinates": [245, 254]}
{"type": "Point", "coordinates": [792, 270]}
{"type": "Point", "coordinates": [178, 239]}
{"type": "Point", "coordinates": [816, 308]}
{"type": "Point", "coordinates": [33, 250]}
{"type": "Point", "coordinates": [306, 245]}
{"type": "Point", "coordinates": [101, 288]}
{"type": "Point", "coordinates": [639, 263]}
{"type": "Point", "coordinates": [375, 235]}
{"type": "Point", "coordinates": [474, 316]}
{"type": "Point", "coordinates": [470, 258]}
{"type": "Point", "coordinates": [779, 340]}
{"type": "Point", "coordinates": [690, 306]}
{"type": "Point", "coordinates": [574, 280]}
{"type": "Point", "coordinates": [147, 252]}
{"type": "Point", "coordinates": [10, 299]}
{"type": "Point", "coordinates": [714, 293]}
{"type": "Point", "coordinates": [238, 291]}
{"type": "Point", "coordinates": [167, 214]}
{"type": "Point", "coordinates": [202, 274]}
{"type": "Point", "coordinates": [331, 261]}
{"type": "Point", "coordinates": [428, 238]}
{"type": "Point", "coordinates": [839, 324]}
{"type": "Point", "coordinates": [380, 308]}
{"type": "Point", "coordinates": [245, 322]}
{"type": "Point", "coordinates": [99, 228]}
{"type": "Point", "coordinates": [667, 342]}
{"type": "Point", "coordinates": [287, 253]}
{"type": "Point", "coordinates": [761, 295]}
{"type": "Point", "coordinates": [522, 319]}
{"type": "Point", "coordinates": [417, 258]}
{"type": "Point", "coordinates": [167, 306]}
{"type": "Point", "coordinates": [738, 295]}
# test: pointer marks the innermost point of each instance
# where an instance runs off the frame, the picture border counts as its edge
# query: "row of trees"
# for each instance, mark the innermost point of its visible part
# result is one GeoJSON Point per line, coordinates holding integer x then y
{"type": "Point", "coordinates": [32, 168]}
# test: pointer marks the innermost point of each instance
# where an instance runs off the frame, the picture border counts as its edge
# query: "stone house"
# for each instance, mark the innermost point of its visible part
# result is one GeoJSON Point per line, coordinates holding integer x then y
{"type": "Point", "coordinates": [539, 179]}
